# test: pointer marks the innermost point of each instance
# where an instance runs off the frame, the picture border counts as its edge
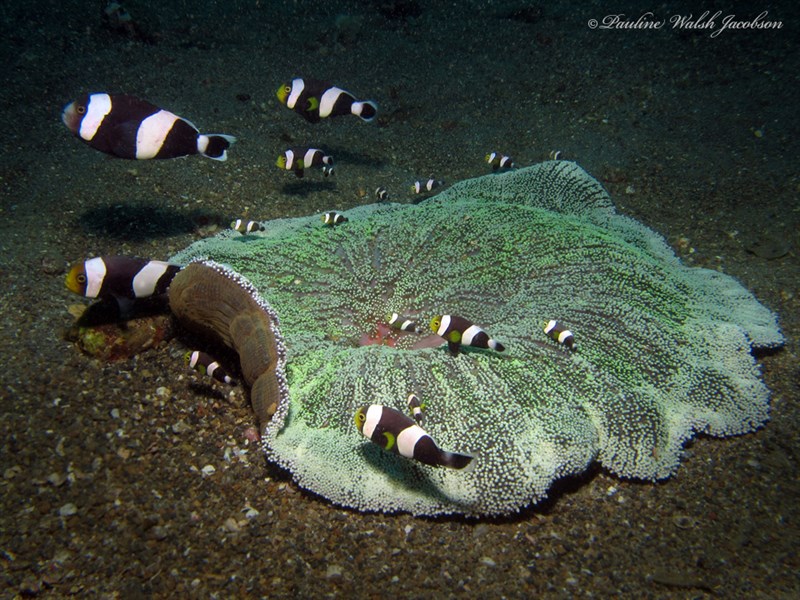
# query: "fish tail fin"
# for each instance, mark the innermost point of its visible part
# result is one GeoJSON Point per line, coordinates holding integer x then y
{"type": "Point", "coordinates": [215, 145]}
{"type": "Point", "coordinates": [454, 460]}
{"type": "Point", "coordinates": [367, 110]}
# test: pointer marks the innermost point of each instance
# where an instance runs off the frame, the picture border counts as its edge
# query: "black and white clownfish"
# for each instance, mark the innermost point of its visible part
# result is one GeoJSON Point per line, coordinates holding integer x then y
{"type": "Point", "coordinates": [458, 330]}
{"type": "Point", "coordinates": [127, 127]}
{"type": "Point", "coordinates": [333, 218]}
{"type": "Point", "coordinates": [499, 161]}
{"type": "Point", "coordinates": [299, 159]}
{"type": "Point", "coordinates": [399, 433]}
{"type": "Point", "coordinates": [416, 407]}
{"type": "Point", "coordinates": [381, 193]}
{"type": "Point", "coordinates": [245, 227]}
{"type": "Point", "coordinates": [314, 100]}
{"type": "Point", "coordinates": [556, 331]}
{"type": "Point", "coordinates": [205, 363]}
{"type": "Point", "coordinates": [121, 276]}
{"type": "Point", "coordinates": [398, 322]}
{"type": "Point", "coordinates": [424, 187]}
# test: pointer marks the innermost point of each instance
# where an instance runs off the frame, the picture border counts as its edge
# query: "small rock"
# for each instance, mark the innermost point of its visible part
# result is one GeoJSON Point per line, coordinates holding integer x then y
{"type": "Point", "coordinates": [485, 560]}
{"type": "Point", "coordinates": [480, 530]}
{"type": "Point", "coordinates": [68, 510]}
{"type": "Point", "coordinates": [12, 472]}
{"type": "Point", "coordinates": [231, 525]}
{"type": "Point", "coordinates": [180, 427]}
{"type": "Point", "coordinates": [208, 470]}
{"type": "Point", "coordinates": [56, 479]}
{"type": "Point", "coordinates": [250, 512]}
{"type": "Point", "coordinates": [334, 572]}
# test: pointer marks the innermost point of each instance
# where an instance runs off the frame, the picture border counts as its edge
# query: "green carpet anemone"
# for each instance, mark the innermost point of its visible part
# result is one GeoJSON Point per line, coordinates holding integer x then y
{"type": "Point", "coordinates": [662, 350]}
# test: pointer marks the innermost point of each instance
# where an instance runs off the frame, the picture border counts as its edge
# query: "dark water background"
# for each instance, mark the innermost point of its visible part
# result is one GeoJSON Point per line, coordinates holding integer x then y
{"type": "Point", "coordinates": [693, 132]}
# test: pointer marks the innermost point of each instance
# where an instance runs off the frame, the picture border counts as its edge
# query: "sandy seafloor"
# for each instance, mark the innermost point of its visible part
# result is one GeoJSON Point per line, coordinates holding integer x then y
{"type": "Point", "coordinates": [694, 135]}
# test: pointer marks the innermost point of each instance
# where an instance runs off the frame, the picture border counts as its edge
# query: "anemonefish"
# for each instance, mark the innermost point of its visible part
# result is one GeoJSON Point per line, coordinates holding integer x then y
{"type": "Point", "coordinates": [416, 407]}
{"type": "Point", "coordinates": [458, 330]}
{"type": "Point", "coordinates": [381, 193]}
{"type": "Point", "coordinates": [314, 100]}
{"type": "Point", "coordinates": [121, 276]}
{"type": "Point", "coordinates": [333, 218]}
{"type": "Point", "coordinates": [399, 433]}
{"type": "Point", "coordinates": [205, 363]}
{"type": "Point", "coordinates": [499, 161]}
{"type": "Point", "coordinates": [423, 187]}
{"type": "Point", "coordinates": [398, 322]}
{"type": "Point", "coordinates": [298, 159]}
{"type": "Point", "coordinates": [556, 331]}
{"type": "Point", "coordinates": [128, 127]}
{"type": "Point", "coordinates": [245, 227]}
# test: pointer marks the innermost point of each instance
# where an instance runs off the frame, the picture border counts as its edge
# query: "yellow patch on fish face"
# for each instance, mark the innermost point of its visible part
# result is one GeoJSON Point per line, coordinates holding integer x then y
{"type": "Point", "coordinates": [435, 323]}
{"type": "Point", "coordinates": [281, 162]}
{"type": "Point", "coordinates": [76, 279]}
{"type": "Point", "coordinates": [283, 93]}
{"type": "Point", "coordinates": [360, 418]}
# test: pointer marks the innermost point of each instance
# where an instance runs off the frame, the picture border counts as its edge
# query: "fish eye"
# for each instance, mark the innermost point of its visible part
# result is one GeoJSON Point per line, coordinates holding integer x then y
{"type": "Point", "coordinates": [287, 89]}
{"type": "Point", "coordinates": [81, 278]}
{"type": "Point", "coordinates": [80, 109]}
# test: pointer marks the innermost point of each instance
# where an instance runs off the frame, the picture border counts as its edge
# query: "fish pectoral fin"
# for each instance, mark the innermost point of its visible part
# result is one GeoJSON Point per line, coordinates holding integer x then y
{"type": "Point", "coordinates": [390, 440]}
{"type": "Point", "coordinates": [313, 104]}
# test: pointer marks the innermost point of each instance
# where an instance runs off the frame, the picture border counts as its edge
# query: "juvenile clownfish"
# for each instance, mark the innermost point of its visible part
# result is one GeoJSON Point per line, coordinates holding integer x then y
{"type": "Point", "coordinates": [121, 277]}
{"type": "Point", "coordinates": [397, 322]}
{"type": "Point", "coordinates": [458, 330]}
{"type": "Point", "coordinates": [245, 227]}
{"type": "Point", "coordinates": [381, 194]}
{"type": "Point", "coordinates": [499, 161]}
{"type": "Point", "coordinates": [423, 187]}
{"type": "Point", "coordinates": [314, 100]}
{"type": "Point", "coordinates": [333, 218]}
{"type": "Point", "coordinates": [399, 433]}
{"type": "Point", "coordinates": [416, 407]}
{"type": "Point", "coordinates": [299, 159]}
{"type": "Point", "coordinates": [205, 363]}
{"type": "Point", "coordinates": [127, 127]}
{"type": "Point", "coordinates": [556, 331]}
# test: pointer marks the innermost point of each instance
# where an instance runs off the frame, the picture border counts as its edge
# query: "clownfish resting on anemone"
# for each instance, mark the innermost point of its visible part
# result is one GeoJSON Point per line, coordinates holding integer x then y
{"type": "Point", "coordinates": [210, 299]}
{"type": "Point", "coordinates": [459, 331]}
{"type": "Point", "coordinates": [395, 432]}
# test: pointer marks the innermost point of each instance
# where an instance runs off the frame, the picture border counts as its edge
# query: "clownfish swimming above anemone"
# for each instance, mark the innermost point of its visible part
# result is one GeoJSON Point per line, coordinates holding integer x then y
{"type": "Point", "coordinates": [315, 100]}
{"type": "Point", "coordinates": [127, 127]}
